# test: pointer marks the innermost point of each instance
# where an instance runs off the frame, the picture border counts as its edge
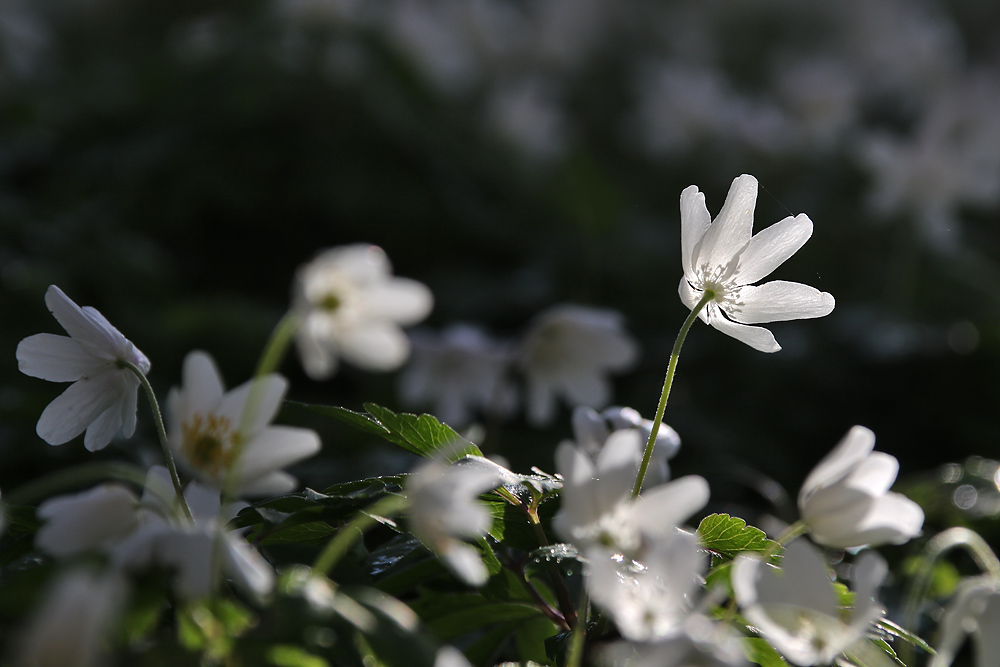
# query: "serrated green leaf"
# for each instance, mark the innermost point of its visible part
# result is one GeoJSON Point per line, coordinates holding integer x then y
{"type": "Point", "coordinates": [423, 434]}
{"type": "Point", "coordinates": [728, 535]}
{"type": "Point", "coordinates": [759, 651]}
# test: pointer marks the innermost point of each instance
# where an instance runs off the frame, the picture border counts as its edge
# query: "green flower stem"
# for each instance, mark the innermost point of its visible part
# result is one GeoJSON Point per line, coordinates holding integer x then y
{"type": "Point", "coordinates": [72, 478]}
{"type": "Point", "coordinates": [665, 394]}
{"type": "Point", "coordinates": [577, 641]}
{"type": "Point", "coordinates": [335, 549]}
{"type": "Point", "coordinates": [558, 585]}
{"type": "Point", "coordinates": [936, 548]}
{"type": "Point", "coordinates": [270, 360]}
{"type": "Point", "coordinates": [161, 431]}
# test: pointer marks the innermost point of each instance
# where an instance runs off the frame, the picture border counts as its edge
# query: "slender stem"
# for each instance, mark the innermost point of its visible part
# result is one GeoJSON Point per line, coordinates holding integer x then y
{"type": "Point", "coordinates": [558, 585]}
{"type": "Point", "coordinates": [270, 359]}
{"type": "Point", "coordinates": [161, 432]}
{"type": "Point", "coordinates": [574, 654]}
{"type": "Point", "coordinates": [386, 506]}
{"type": "Point", "coordinates": [665, 394]}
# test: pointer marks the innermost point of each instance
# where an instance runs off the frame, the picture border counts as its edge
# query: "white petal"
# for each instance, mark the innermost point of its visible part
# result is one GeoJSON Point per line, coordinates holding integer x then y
{"type": "Point", "coordinates": [665, 507]}
{"type": "Point", "coordinates": [274, 484]}
{"type": "Point", "coordinates": [465, 562]}
{"type": "Point", "coordinates": [55, 358]}
{"type": "Point", "coordinates": [540, 401]}
{"type": "Point", "coordinates": [690, 298]}
{"type": "Point", "coordinates": [104, 428]}
{"type": "Point", "coordinates": [274, 448]}
{"type": "Point", "coordinates": [849, 452]}
{"type": "Point", "coordinates": [317, 353]}
{"type": "Point", "coordinates": [768, 249]}
{"type": "Point", "coordinates": [95, 333]}
{"type": "Point", "coordinates": [262, 396]}
{"type": "Point", "coordinates": [893, 519]}
{"type": "Point", "coordinates": [73, 411]}
{"type": "Point", "coordinates": [401, 300]}
{"type": "Point", "coordinates": [731, 230]}
{"type": "Point", "coordinates": [88, 520]}
{"type": "Point", "coordinates": [582, 387]}
{"type": "Point", "coordinates": [758, 338]}
{"type": "Point", "coordinates": [778, 301]}
{"type": "Point", "coordinates": [247, 568]}
{"type": "Point", "coordinates": [203, 387]}
{"type": "Point", "coordinates": [575, 466]}
{"type": "Point", "coordinates": [695, 220]}
{"type": "Point", "coordinates": [129, 406]}
{"type": "Point", "coordinates": [375, 346]}
{"type": "Point", "coordinates": [874, 475]}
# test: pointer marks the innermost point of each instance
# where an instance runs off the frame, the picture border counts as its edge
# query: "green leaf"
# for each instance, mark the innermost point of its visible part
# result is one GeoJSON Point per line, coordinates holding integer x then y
{"type": "Point", "coordinates": [472, 617]}
{"type": "Point", "coordinates": [422, 435]}
{"type": "Point", "coordinates": [759, 651]}
{"type": "Point", "coordinates": [550, 556]}
{"type": "Point", "coordinates": [287, 655]}
{"type": "Point", "coordinates": [728, 535]}
{"type": "Point", "coordinates": [894, 630]}
{"type": "Point", "coordinates": [871, 654]}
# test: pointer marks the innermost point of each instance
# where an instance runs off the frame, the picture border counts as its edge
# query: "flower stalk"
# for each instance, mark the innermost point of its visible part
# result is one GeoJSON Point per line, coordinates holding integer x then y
{"type": "Point", "coordinates": [334, 550]}
{"type": "Point", "coordinates": [668, 381]}
{"type": "Point", "coordinates": [161, 432]}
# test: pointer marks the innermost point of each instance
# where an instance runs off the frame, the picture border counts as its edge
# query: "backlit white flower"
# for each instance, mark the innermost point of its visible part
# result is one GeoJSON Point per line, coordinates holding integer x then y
{"type": "Point", "coordinates": [591, 431]}
{"type": "Point", "coordinates": [217, 434]}
{"type": "Point", "coordinates": [846, 501]}
{"type": "Point", "coordinates": [796, 608]}
{"type": "Point", "coordinates": [95, 519]}
{"type": "Point", "coordinates": [198, 552]}
{"type": "Point", "coordinates": [974, 610]}
{"type": "Point", "coordinates": [568, 352]}
{"type": "Point", "coordinates": [596, 503]}
{"type": "Point", "coordinates": [102, 398]}
{"type": "Point", "coordinates": [648, 600]}
{"type": "Point", "coordinates": [721, 256]}
{"type": "Point", "coordinates": [73, 621]}
{"type": "Point", "coordinates": [459, 373]}
{"type": "Point", "coordinates": [444, 510]}
{"type": "Point", "coordinates": [352, 307]}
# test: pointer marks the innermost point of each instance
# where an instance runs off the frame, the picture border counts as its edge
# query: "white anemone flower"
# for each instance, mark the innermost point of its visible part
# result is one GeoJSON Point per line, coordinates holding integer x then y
{"type": "Point", "coordinates": [102, 399]}
{"type": "Point", "coordinates": [652, 599]}
{"type": "Point", "coordinates": [568, 351]}
{"type": "Point", "coordinates": [444, 510]}
{"type": "Point", "coordinates": [721, 256]}
{"type": "Point", "coordinates": [796, 608]}
{"type": "Point", "coordinates": [597, 507]}
{"type": "Point", "coordinates": [197, 552]}
{"type": "Point", "coordinates": [91, 520]}
{"type": "Point", "coordinates": [351, 306]}
{"type": "Point", "coordinates": [73, 621]}
{"type": "Point", "coordinates": [591, 431]}
{"type": "Point", "coordinates": [846, 501]}
{"type": "Point", "coordinates": [459, 372]}
{"type": "Point", "coordinates": [218, 434]}
{"type": "Point", "coordinates": [975, 611]}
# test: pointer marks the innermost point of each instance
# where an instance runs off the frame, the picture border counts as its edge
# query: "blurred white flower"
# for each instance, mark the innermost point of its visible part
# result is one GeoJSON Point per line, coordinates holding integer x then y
{"type": "Point", "coordinates": [70, 626]}
{"type": "Point", "coordinates": [596, 505]}
{"type": "Point", "coordinates": [444, 510]}
{"type": "Point", "coordinates": [102, 399]}
{"type": "Point", "coordinates": [196, 552]}
{"type": "Point", "coordinates": [591, 431]}
{"type": "Point", "coordinates": [449, 656]}
{"type": "Point", "coordinates": [796, 608]}
{"type": "Point", "coordinates": [721, 256]}
{"type": "Point", "coordinates": [227, 437]}
{"type": "Point", "coordinates": [458, 373]}
{"type": "Point", "coordinates": [568, 351]}
{"type": "Point", "coordinates": [704, 643]}
{"type": "Point", "coordinates": [846, 501]}
{"type": "Point", "coordinates": [974, 610]}
{"type": "Point", "coordinates": [648, 600]}
{"type": "Point", "coordinates": [351, 306]}
{"type": "Point", "coordinates": [952, 160]}
{"type": "Point", "coordinates": [95, 519]}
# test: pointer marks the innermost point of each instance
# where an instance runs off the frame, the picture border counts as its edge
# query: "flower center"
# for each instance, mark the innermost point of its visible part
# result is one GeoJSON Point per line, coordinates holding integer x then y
{"type": "Point", "coordinates": [330, 302]}
{"type": "Point", "coordinates": [210, 443]}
